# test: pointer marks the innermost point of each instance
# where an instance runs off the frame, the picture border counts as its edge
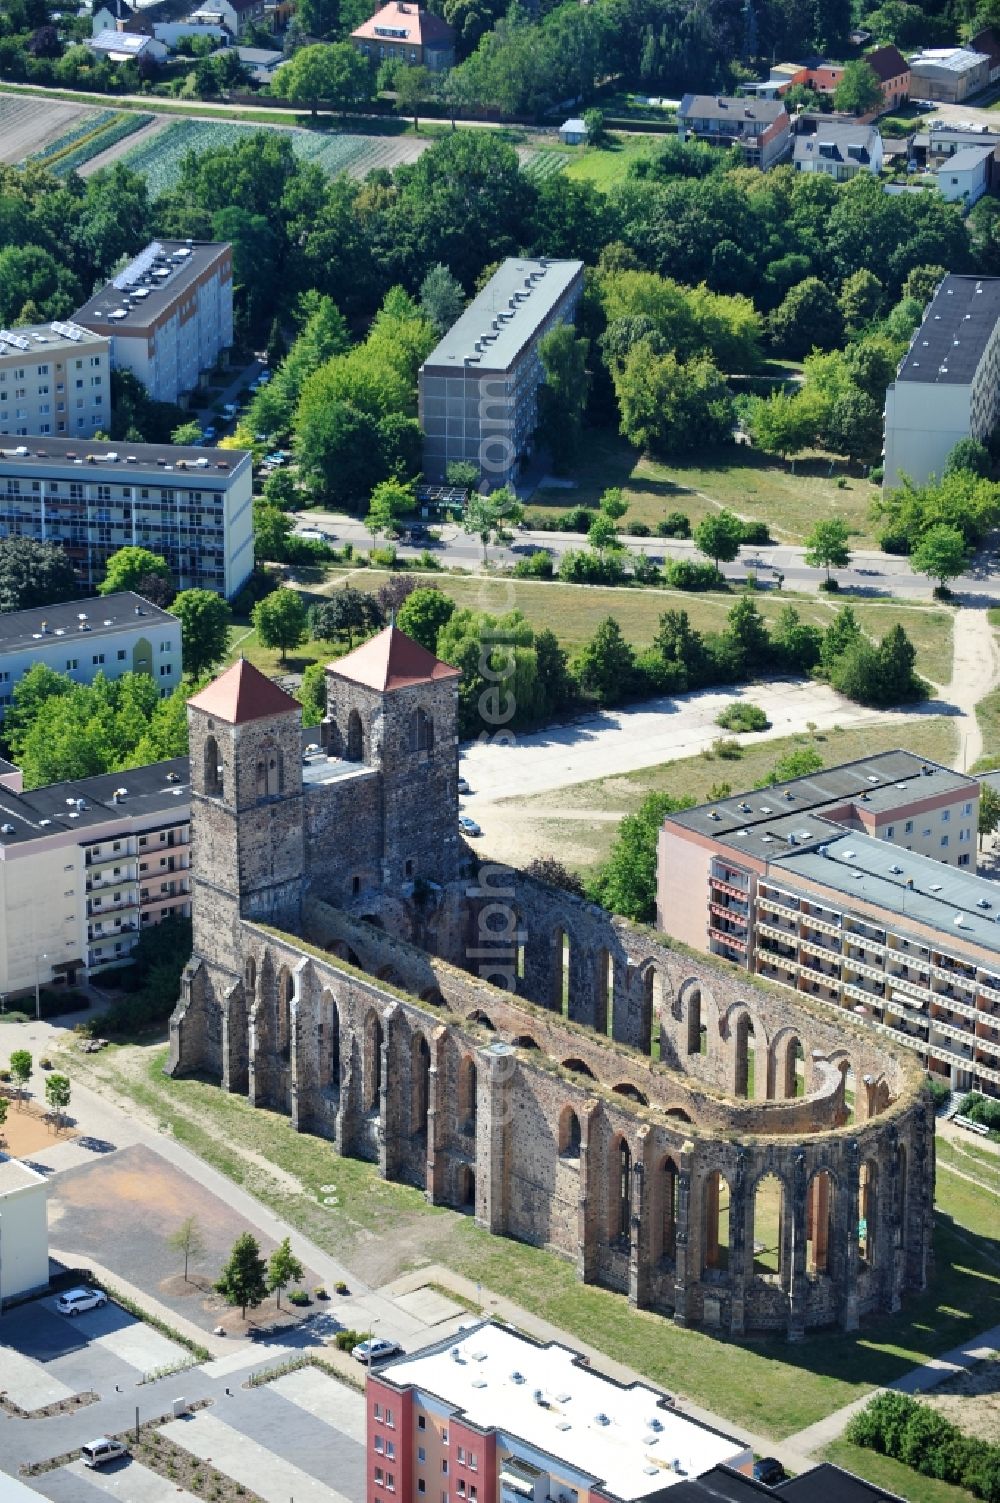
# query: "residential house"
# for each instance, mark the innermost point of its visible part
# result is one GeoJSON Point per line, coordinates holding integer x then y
{"type": "Point", "coordinates": [950, 74]}
{"type": "Point", "coordinates": [987, 41]}
{"type": "Point", "coordinates": [235, 15]}
{"type": "Point", "coordinates": [965, 175]}
{"type": "Point", "coordinates": [760, 127]}
{"type": "Point", "coordinates": [260, 63]}
{"type": "Point", "coordinates": [404, 32]}
{"type": "Point", "coordinates": [893, 73]}
{"type": "Point", "coordinates": [841, 151]}
{"type": "Point", "coordinates": [127, 47]}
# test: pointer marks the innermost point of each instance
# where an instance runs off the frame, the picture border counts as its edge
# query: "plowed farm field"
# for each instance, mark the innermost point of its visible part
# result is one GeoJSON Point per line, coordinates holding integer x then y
{"type": "Point", "coordinates": [28, 124]}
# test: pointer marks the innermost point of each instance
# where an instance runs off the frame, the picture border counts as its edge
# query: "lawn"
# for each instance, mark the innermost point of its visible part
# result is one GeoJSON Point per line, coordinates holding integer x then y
{"type": "Point", "coordinates": [749, 482]}
{"type": "Point", "coordinates": [767, 1385]}
{"type": "Point", "coordinates": [604, 166]}
{"type": "Point", "coordinates": [583, 843]}
{"type": "Point", "coordinates": [900, 1480]}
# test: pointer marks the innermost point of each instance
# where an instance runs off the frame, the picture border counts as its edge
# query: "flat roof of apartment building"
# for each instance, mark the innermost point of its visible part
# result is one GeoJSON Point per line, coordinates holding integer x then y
{"type": "Point", "coordinates": [100, 614]}
{"type": "Point", "coordinates": [151, 283]}
{"type": "Point", "coordinates": [948, 346]}
{"type": "Point", "coordinates": [40, 340]}
{"type": "Point", "coordinates": [958, 904]}
{"type": "Point", "coordinates": [629, 1439]}
{"type": "Point", "coordinates": [887, 781]}
{"type": "Point", "coordinates": [505, 316]}
{"type": "Point", "coordinates": [80, 454]}
{"type": "Point", "coordinates": [82, 803]}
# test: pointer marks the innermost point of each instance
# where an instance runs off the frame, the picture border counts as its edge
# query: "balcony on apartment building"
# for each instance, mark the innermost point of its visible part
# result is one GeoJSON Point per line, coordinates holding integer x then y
{"type": "Point", "coordinates": [96, 856]}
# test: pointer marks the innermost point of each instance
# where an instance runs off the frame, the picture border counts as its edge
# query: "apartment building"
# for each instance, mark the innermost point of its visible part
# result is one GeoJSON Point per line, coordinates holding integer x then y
{"type": "Point", "coordinates": [108, 634]}
{"type": "Point", "coordinates": [947, 386]}
{"type": "Point", "coordinates": [168, 315]}
{"type": "Point", "coordinates": [490, 1416]}
{"type": "Point", "coordinates": [857, 886]}
{"type": "Point", "coordinates": [54, 378]}
{"type": "Point", "coordinates": [759, 127]}
{"type": "Point", "coordinates": [478, 388]}
{"type": "Point", "coordinates": [193, 506]}
{"type": "Point", "coordinates": [85, 866]}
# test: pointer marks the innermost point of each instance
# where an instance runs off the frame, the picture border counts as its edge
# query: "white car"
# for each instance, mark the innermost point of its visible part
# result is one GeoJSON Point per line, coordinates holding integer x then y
{"type": "Point", "coordinates": [313, 533]}
{"type": "Point", "coordinates": [376, 1349]}
{"type": "Point", "coordinates": [99, 1452]}
{"type": "Point", "coordinates": [76, 1300]}
{"type": "Point", "coordinates": [468, 826]}
{"type": "Point", "coordinates": [463, 786]}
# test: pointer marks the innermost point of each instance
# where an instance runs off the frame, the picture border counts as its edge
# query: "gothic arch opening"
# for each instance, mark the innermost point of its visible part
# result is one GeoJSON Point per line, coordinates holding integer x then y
{"type": "Point", "coordinates": [604, 992]}
{"type": "Point", "coordinates": [355, 738]}
{"type": "Point", "coordinates": [569, 1134]}
{"type": "Point", "coordinates": [524, 1041]}
{"type": "Point", "coordinates": [626, 1088]}
{"type": "Point", "coordinates": [372, 1075]}
{"type": "Point", "coordinates": [666, 1223]}
{"type": "Point", "coordinates": [483, 1019]}
{"type": "Point", "coordinates": [867, 1211]}
{"type": "Point", "coordinates": [697, 1031]}
{"type": "Point", "coordinates": [560, 972]}
{"type": "Point", "coordinates": [283, 1031]}
{"type": "Point", "coordinates": [467, 1087]}
{"type": "Point", "coordinates": [901, 1207]}
{"type": "Point", "coordinates": [678, 1112]}
{"type": "Point", "coordinates": [213, 768]}
{"type": "Point", "coordinates": [746, 1052]}
{"type": "Point", "coordinates": [819, 1222]}
{"type": "Point", "coordinates": [794, 1081]}
{"type": "Point", "coordinates": [620, 1191]}
{"type": "Point", "coordinates": [768, 1226]}
{"type": "Point", "coordinates": [421, 730]}
{"type": "Point", "coordinates": [579, 1067]}
{"type": "Point", "coordinates": [653, 997]}
{"type": "Point", "coordinates": [716, 1223]}
{"type": "Point", "coordinates": [467, 1188]}
{"type": "Point", "coordinates": [330, 1042]}
{"type": "Point", "coordinates": [250, 980]}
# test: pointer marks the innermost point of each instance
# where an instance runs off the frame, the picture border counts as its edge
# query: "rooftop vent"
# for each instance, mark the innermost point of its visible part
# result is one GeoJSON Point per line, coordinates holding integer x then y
{"type": "Point", "coordinates": [897, 871]}
{"type": "Point", "coordinates": [983, 903]}
{"type": "Point", "coordinates": [516, 1377]}
{"type": "Point", "coordinates": [173, 777]}
{"type": "Point", "coordinates": [601, 1419]}
{"type": "Point", "coordinates": [7, 830]}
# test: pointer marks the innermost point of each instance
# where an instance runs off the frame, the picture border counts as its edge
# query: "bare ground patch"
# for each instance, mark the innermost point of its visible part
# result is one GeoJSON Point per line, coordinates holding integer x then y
{"type": "Point", "coordinates": [971, 1400]}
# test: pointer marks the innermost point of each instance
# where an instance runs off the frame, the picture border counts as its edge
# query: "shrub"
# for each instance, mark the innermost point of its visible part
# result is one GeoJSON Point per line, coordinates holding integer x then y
{"type": "Point", "coordinates": [638, 529]}
{"type": "Point", "coordinates": [341, 1287]}
{"type": "Point", "coordinates": [320, 1293]}
{"type": "Point", "coordinates": [686, 574]}
{"type": "Point", "coordinates": [345, 1340]}
{"type": "Point", "coordinates": [674, 525]}
{"type": "Point", "coordinates": [537, 565]}
{"type": "Point", "coordinates": [898, 1426]}
{"type": "Point", "coordinates": [940, 1089]}
{"type": "Point", "coordinates": [581, 566]}
{"type": "Point", "coordinates": [740, 716]}
{"type": "Point", "coordinates": [383, 558]}
{"type": "Point", "coordinates": [299, 1297]}
{"type": "Point", "coordinates": [756, 533]}
{"type": "Point", "coordinates": [577, 519]}
{"type": "Point", "coordinates": [729, 751]}
{"type": "Point", "coordinates": [644, 571]}
{"type": "Point", "coordinates": [981, 1109]}
{"type": "Point", "coordinates": [876, 474]}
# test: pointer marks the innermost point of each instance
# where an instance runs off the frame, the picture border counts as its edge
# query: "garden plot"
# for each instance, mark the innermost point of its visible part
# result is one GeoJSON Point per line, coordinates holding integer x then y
{"type": "Point", "coordinates": [29, 125]}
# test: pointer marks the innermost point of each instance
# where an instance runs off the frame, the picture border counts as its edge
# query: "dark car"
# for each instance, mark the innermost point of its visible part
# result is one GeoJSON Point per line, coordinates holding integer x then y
{"type": "Point", "coordinates": [769, 1471]}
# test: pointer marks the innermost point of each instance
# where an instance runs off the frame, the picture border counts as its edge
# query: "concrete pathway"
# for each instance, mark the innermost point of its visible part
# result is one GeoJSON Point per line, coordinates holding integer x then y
{"type": "Point", "coordinates": [254, 1466]}
{"type": "Point", "coordinates": [135, 1483]}
{"type": "Point", "coordinates": [974, 673]}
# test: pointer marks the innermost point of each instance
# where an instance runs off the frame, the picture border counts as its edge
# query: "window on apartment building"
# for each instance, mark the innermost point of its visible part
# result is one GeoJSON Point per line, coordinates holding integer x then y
{"type": "Point", "coordinates": [421, 1485]}
{"type": "Point", "coordinates": [165, 646]}
{"type": "Point", "coordinates": [966, 808]}
{"type": "Point", "coordinates": [389, 1419]}
{"type": "Point", "coordinates": [460, 1488]}
{"type": "Point", "coordinates": [461, 1454]}
{"type": "Point", "coordinates": [908, 827]}
{"type": "Point", "coordinates": [98, 658]}
{"type": "Point", "coordinates": [79, 365]}
{"type": "Point", "coordinates": [964, 860]}
{"type": "Point", "coordinates": [421, 1453]}
{"type": "Point", "coordinates": [944, 839]}
{"type": "Point", "coordinates": [421, 1422]}
{"type": "Point", "coordinates": [378, 1407]}
{"type": "Point", "coordinates": [472, 1493]}
{"type": "Point", "coordinates": [45, 427]}
{"type": "Point", "coordinates": [390, 1449]}
{"type": "Point", "coordinates": [945, 816]}
{"type": "Point", "coordinates": [473, 1462]}
{"type": "Point", "coordinates": [71, 664]}
{"type": "Point", "coordinates": [79, 385]}
{"type": "Point", "coordinates": [121, 654]}
{"type": "Point", "coordinates": [444, 1437]}
{"type": "Point", "coordinates": [379, 1444]}
{"type": "Point", "coordinates": [444, 1468]}
{"type": "Point", "coordinates": [98, 400]}
{"type": "Point", "coordinates": [926, 832]}
{"type": "Point", "coordinates": [95, 359]}
{"type": "Point", "coordinates": [165, 670]}
{"type": "Point", "coordinates": [964, 836]}
{"type": "Point", "coordinates": [890, 831]}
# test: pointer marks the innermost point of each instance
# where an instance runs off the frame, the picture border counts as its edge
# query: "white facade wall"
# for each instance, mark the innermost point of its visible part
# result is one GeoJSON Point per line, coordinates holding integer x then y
{"type": "Point", "coordinates": [61, 390]}
{"type": "Point", "coordinates": [169, 360]}
{"type": "Point", "coordinates": [43, 920]}
{"type": "Point", "coordinates": [923, 423]}
{"type": "Point", "coordinates": [153, 647]}
{"type": "Point", "coordinates": [958, 184]}
{"type": "Point", "coordinates": [24, 1231]}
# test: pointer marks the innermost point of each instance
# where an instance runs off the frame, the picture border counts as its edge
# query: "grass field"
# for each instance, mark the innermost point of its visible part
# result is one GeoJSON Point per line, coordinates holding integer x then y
{"type": "Point", "coordinates": [606, 165]}
{"type": "Point", "coordinates": [575, 612]}
{"type": "Point", "coordinates": [752, 484]}
{"type": "Point", "coordinates": [583, 843]}
{"type": "Point", "coordinates": [767, 1385]}
{"type": "Point", "coordinates": [900, 1480]}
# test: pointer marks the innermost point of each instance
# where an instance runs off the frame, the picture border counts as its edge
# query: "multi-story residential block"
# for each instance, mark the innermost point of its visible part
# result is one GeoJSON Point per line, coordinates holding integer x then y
{"type": "Point", "coordinates": [841, 150]}
{"type": "Point", "coordinates": [857, 887]}
{"type": "Point", "coordinates": [108, 634]}
{"type": "Point", "coordinates": [168, 315]}
{"type": "Point", "coordinates": [54, 378]}
{"type": "Point", "coordinates": [759, 127]}
{"type": "Point", "coordinates": [478, 389]}
{"type": "Point", "coordinates": [193, 506]}
{"type": "Point", "coordinates": [947, 386]}
{"type": "Point", "coordinates": [951, 74]}
{"type": "Point", "coordinates": [404, 32]}
{"type": "Point", "coordinates": [491, 1415]}
{"type": "Point", "coordinates": [85, 866]}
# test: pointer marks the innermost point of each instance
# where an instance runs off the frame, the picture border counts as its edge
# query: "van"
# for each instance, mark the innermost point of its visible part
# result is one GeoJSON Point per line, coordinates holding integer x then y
{"type": "Point", "coordinates": [99, 1452]}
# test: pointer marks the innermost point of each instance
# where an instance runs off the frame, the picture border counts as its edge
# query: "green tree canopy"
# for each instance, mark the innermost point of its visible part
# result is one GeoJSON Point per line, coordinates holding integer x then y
{"type": "Point", "coordinates": [33, 574]}
{"type": "Point", "coordinates": [941, 554]}
{"type": "Point", "coordinates": [129, 565]}
{"type": "Point", "coordinates": [989, 811]}
{"type": "Point", "coordinates": [188, 1239]}
{"type": "Point", "coordinates": [347, 613]}
{"type": "Point", "coordinates": [490, 518]}
{"type": "Point", "coordinates": [330, 73]}
{"type": "Point", "coordinates": [563, 395]}
{"type": "Point", "coordinates": [283, 1268]}
{"type": "Point", "coordinates": [809, 318]}
{"type": "Point", "coordinates": [718, 535]}
{"type": "Point", "coordinates": [280, 620]}
{"type": "Point", "coordinates": [827, 545]}
{"type": "Point", "coordinates": [205, 619]}
{"type": "Point", "coordinates": [859, 91]}
{"type": "Point", "coordinates": [441, 298]}
{"type": "Point", "coordinates": [243, 1281]}
{"type": "Point", "coordinates": [57, 1095]}
{"type": "Point", "coordinates": [605, 666]}
{"type": "Point", "coordinates": [423, 614]}
{"type": "Point", "coordinates": [668, 407]}
{"type": "Point", "coordinates": [626, 882]}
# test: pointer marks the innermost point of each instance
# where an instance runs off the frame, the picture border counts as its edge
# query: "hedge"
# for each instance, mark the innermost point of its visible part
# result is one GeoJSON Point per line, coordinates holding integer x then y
{"type": "Point", "coordinates": [896, 1425]}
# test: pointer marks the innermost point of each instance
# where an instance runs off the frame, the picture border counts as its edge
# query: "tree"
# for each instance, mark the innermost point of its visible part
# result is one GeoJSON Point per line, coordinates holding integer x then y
{"type": "Point", "coordinates": [843, 632]}
{"type": "Point", "coordinates": [20, 1068]}
{"type": "Point", "coordinates": [941, 554]}
{"type": "Point", "coordinates": [597, 132]}
{"type": "Point", "coordinates": [189, 1241]}
{"type": "Point", "coordinates": [551, 871]}
{"type": "Point", "coordinates": [462, 474]}
{"type": "Point", "coordinates": [861, 299]}
{"type": "Point", "coordinates": [746, 629]}
{"type": "Point", "coordinates": [718, 535]}
{"type": "Point", "coordinates": [603, 533]}
{"type": "Point", "coordinates": [57, 1094]}
{"type": "Point", "coordinates": [668, 407]}
{"type": "Point", "coordinates": [33, 574]}
{"type": "Point", "coordinates": [390, 500]}
{"type": "Point", "coordinates": [859, 91]}
{"type": "Point", "coordinates": [271, 530]}
{"type": "Point", "coordinates": [971, 455]}
{"type": "Point", "coordinates": [347, 612]}
{"type": "Point", "coordinates": [280, 620]}
{"type": "Point", "coordinates": [186, 434]}
{"type": "Point", "coordinates": [923, 282]}
{"type": "Point", "coordinates": [563, 395]}
{"type": "Point", "coordinates": [794, 764]}
{"type": "Point", "coordinates": [782, 424]}
{"type": "Point", "coordinates": [605, 666]}
{"type": "Point", "coordinates": [422, 615]}
{"type": "Point", "coordinates": [205, 620]}
{"type": "Point", "coordinates": [490, 518]}
{"type": "Point", "coordinates": [808, 318]}
{"type": "Point", "coordinates": [626, 882]}
{"type": "Point", "coordinates": [243, 1281]}
{"type": "Point", "coordinates": [989, 811]}
{"type": "Point", "coordinates": [331, 73]}
{"type": "Point", "coordinates": [826, 545]}
{"type": "Point", "coordinates": [130, 564]}
{"type": "Point", "coordinates": [283, 1269]}
{"type": "Point", "coordinates": [442, 301]}
{"type": "Point", "coordinates": [413, 85]}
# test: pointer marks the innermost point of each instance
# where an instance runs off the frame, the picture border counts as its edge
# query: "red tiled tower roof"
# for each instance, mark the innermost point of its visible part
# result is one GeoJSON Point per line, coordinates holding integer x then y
{"type": "Point", "coordinates": [242, 694]}
{"type": "Point", "coordinates": [391, 660]}
{"type": "Point", "coordinates": [420, 28]}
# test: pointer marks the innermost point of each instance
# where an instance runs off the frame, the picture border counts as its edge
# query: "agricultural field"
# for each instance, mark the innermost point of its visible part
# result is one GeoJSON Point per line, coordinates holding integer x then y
{"type": "Point", "coordinates": [89, 138]}
{"type": "Point", "coordinates": [540, 164]}
{"type": "Point", "coordinates": [160, 158]}
{"type": "Point", "coordinates": [29, 125]}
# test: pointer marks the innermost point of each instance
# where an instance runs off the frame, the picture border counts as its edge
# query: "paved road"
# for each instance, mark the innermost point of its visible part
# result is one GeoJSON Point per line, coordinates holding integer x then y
{"type": "Point", "coordinates": [871, 573]}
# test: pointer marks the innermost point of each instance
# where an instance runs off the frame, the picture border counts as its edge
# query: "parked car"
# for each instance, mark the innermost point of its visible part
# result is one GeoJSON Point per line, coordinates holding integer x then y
{"type": "Point", "coordinates": [309, 532]}
{"type": "Point", "coordinates": [376, 1349]}
{"type": "Point", "coordinates": [230, 409]}
{"type": "Point", "coordinates": [769, 1471]}
{"type": "Point", "coordinates": [99, 1452]}
{"type": "Point", "coordinates": [263, 378]}
{"type": "Point", "coordinates": [468, 826]}
{"type": "Point", "coordinates": [208, 434]}
{"type": "Point", "coordinates": [73, 1301]}
{"type": "Point", "coordinates": [463, 786]}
